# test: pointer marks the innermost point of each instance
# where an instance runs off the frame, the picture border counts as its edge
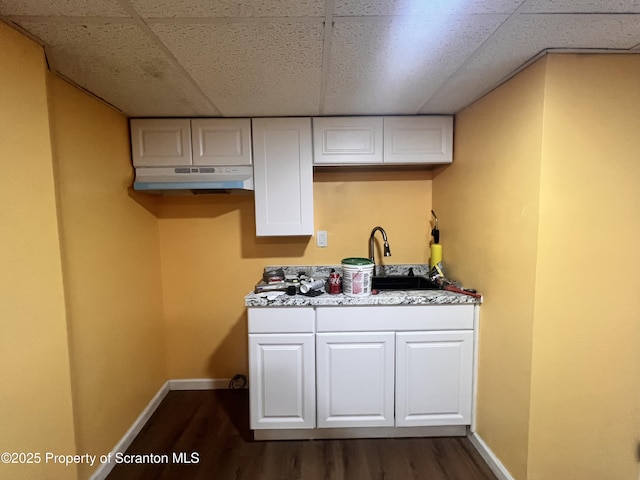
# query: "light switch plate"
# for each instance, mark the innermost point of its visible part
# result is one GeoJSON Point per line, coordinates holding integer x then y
{"type": "Point", "coordinates": [321, 238]}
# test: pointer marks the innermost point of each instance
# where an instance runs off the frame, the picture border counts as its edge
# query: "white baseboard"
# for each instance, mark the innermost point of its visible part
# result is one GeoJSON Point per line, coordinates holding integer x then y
{"type": "Point", "coordinates": [487, 454]}
{"type": "Point", "coordinates": [199, 384]}
{"type": "Point", "coordinates": [190, 384]}
{"type": "Point", "coordinates": [359, 432]}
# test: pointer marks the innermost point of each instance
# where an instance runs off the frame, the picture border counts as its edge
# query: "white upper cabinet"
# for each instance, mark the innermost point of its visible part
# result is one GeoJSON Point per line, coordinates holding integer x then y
{"type": "Point", "coordinates": [221, 141]}
{"type": "Point", "coordinates": [283, 176]}
{"type": "Point", "coordinates": [160, 142]}
{"type": "Point", "coordinates": [382, 140]}
{"type": "Point", "coordinates": [172, 142]}
{"type": "Point", "coordinates": [420, 139]}
{"type": "Point", "coordinates": [168, 142]}
{"type": "Point", "coordinates": [347, 140]}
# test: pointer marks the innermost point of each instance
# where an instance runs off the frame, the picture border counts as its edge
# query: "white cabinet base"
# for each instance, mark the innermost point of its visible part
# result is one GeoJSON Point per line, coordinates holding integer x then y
{"type": "Point", "coordinates": [399, 374]}
{"type": "Point", "coordinates": [434, 378]}
{"type": "Point", "coordinates": [355, 379]}
{"type": "Point", "coordinates": [364, 432]}
{"type": "Point", "coordinates": [282, 393]}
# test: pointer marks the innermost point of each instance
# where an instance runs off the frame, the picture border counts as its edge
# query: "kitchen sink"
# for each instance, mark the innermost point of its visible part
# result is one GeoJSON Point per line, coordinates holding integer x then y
{"type": "Point", "coordinates": [403, 282]}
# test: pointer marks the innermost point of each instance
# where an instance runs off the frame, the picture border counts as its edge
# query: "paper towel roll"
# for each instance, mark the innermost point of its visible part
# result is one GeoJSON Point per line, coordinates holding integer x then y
{"type": "Point", "coordinates": [436, 254]}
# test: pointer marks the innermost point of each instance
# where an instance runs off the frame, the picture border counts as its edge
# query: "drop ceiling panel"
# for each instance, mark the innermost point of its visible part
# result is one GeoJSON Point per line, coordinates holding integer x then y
{"type": "Point", "coordinates": [139, 81]}
{"type": "Point", "coordinates": [387, 66]}
{"type": "Point", "coordinates": [263, 69]}
{"type": "Point", "coordinates": [568, 31]}
{"type": "Point", "coordinates": [522, 39]}
{"type": "Point", "coordinates": [99, 8]}
{"type": "Point", "coordinates": [228, 8]}
{"type": "Point", "coordinates": [581, 6]}
{"type": "Point", "coordinates": [428, 8]}
{"type": "Point", "coordinates": [274, 58]}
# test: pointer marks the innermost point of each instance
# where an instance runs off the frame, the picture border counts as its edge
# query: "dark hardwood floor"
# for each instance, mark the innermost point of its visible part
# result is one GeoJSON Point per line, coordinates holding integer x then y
{"type": "Point", "coordinates": [210, 428]}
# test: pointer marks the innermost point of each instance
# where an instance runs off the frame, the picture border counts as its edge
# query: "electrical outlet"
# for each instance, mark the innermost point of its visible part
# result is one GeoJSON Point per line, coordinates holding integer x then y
{"type": "Point", "coordinates": [321, 238]}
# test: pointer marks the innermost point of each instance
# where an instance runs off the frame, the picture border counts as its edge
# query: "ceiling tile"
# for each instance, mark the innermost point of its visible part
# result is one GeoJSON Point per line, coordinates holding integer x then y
{"type": "Point", "coordinates": [139, 81]}
{"type": "Point", "coordinates": [252, 69]}
{"type": "Point", "coordinates": [428, 8]}
{"type": "Point", "coordinates": [229, 8]}
{"type": "Point", "coordinates": [581, 6]}
{"type": "Point", "coordinates": [386, 67]}
{"type": "Point", "coordinates": [104, 8]}
{"type": "Point", "coordinates": [522, 39]}
{"type": "Point", "coordinates": [572, 31]}
{"type": "Point", "coordinates": [265, 57]}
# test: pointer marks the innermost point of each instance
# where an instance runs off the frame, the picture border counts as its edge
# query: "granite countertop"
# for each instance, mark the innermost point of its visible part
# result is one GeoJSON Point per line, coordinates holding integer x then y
{"type": "Point", "coordinates": [388, 297]}
{"type": "Point", "coordinates": [395, 297]}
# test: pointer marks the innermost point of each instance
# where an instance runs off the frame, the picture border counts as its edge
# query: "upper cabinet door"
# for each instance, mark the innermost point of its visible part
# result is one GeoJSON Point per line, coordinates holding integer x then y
{"type": "Point", "coordinates": [160, 142]}
{"type": "Point", "coordinates": [283, 176]}
{"type": "Point", "coordinates": [347, 140]}
{"type": "Point", "coordinates": [221, 141]}
{"type": "Point", "coordinates": [421, 139]}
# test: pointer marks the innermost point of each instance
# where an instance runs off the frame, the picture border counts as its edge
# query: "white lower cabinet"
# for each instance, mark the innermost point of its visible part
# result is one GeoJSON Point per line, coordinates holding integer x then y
{"type": "Point", "coordinates": [434, 378]}
{"type": "Point", "coordinates": [355, 379]}
{"type": "Point", "coordinates": [282, 381]}
{"type": "Point", "coordinates": [360, 366]}
{"type": "Point", "coordinates": [282, 392]}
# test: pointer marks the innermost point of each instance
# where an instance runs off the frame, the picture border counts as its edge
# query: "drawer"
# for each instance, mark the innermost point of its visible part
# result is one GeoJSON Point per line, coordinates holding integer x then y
{"type": "Point", "coordinates": [281, 320]}
{"type": "Point", "coordinates": [394, 318]}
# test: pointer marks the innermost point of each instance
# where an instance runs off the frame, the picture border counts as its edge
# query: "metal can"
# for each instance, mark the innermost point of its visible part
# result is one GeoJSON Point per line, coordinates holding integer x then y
{"type": "Point", "coordinates": [334, 282]}
{"type": "Point", "coordinates": [311, 284]}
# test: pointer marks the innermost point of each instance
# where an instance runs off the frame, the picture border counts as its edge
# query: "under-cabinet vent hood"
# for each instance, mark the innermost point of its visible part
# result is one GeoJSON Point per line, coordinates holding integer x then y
{"type": "Point", "coordinates": [194, 178]}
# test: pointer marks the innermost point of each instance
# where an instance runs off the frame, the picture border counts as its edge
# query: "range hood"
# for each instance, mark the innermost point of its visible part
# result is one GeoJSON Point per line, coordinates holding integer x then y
{"type": "Point", "coordinates": [195, 178]}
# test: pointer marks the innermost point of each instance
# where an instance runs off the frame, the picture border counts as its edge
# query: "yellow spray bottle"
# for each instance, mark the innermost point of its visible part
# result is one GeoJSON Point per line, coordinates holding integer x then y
{"type": "Point", "coordinates": [436, 248]}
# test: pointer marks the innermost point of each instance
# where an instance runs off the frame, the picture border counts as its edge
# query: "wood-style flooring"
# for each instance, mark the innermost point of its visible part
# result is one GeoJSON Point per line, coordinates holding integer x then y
{"type": "Point", "coordinates": [211, 429]}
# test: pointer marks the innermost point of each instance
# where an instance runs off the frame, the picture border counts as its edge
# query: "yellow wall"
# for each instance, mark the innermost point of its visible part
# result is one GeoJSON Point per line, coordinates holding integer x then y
{"type": "Point", "coordinates": [93, 345]}
{"type": "Point", "coordinates": [211, 257]}
{"type": "Point", "coordinates": [543, 167]}
{"type": "Point", "coordinates": [104, 293]}
{"type": "Point", "coordinates": [585, 408]}
{"type": "Point", "coordinates": [487, 203]}
{"type": "Point", "coordinates": [111, 261]}
{"type": "Point", "coordinates": [35, 397]}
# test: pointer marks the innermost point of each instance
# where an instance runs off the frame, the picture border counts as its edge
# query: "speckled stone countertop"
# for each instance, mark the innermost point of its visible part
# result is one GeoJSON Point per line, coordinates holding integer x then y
{"type": "Point", "coordinates": [322, 271]}
{"type": "Point", "coordinates": [388, 297]}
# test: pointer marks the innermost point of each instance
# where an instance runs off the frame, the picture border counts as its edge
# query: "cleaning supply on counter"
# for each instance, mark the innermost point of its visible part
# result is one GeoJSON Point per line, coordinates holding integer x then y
{"type": "Point", "coordinates": [357, 275]}
{"type": "Point", "coordinates": [466, 291]}
{"type": "Point", "coordinates": [436, 247]}
{"type": "Point", "coordinates": [436, 255]}
{"type": "Point", "coordinates": [335, 284]}
{"type": "Point", "coordinates": [311, 284]}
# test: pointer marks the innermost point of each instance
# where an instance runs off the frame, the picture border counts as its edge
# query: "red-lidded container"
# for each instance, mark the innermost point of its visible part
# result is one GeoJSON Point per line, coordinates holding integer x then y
{"type": "Point", "coordinates": [334, 282]}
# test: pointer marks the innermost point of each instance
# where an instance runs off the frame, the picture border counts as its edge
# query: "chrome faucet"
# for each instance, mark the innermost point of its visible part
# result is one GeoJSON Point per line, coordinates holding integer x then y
{"type": "Point", "coordinates": [387, 251]}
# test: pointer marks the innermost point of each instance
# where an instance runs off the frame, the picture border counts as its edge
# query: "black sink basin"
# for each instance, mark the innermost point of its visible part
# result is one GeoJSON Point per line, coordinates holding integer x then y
{"type": "Point", "coordinates": [403, 282]}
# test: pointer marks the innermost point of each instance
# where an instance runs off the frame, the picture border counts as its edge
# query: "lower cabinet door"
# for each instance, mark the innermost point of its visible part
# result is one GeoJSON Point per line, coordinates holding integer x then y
{"type": "Point", "coordinates": [434, 376]}
{"type": "Point", "coordinates": [355, 379]}
{"type": "Point", "coordinates": [282, 381]}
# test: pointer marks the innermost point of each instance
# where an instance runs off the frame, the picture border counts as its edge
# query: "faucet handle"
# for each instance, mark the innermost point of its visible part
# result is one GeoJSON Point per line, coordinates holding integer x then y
{"type": "Point", "coordinates": [411, 274]}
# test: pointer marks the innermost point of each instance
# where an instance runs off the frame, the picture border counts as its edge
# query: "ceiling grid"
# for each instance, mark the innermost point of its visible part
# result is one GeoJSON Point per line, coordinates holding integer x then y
{"type": "Point", "coordinates": [232, 58]}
